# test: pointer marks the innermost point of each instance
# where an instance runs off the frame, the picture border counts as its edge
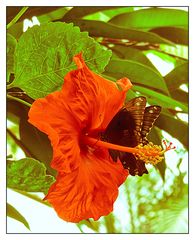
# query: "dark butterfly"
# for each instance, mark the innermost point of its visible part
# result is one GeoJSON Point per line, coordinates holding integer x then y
{"type": "Point", "coordinates": [130, 127]}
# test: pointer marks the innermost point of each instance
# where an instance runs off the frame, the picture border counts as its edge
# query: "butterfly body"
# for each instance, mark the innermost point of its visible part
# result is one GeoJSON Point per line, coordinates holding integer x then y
{"type": "Point", "coordinates": [130, 127]}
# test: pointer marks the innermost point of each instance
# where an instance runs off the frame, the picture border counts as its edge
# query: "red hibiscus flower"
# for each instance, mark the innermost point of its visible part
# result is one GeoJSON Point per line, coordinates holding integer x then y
{"type": "Point", "coordinates": [73, 118]}
{"type": "Point", "coordinates": [88, 179]}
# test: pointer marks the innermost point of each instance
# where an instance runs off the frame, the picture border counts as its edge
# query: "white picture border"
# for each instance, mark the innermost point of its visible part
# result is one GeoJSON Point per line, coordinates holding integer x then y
{"type": "Point", "coordinates": [32, 236]}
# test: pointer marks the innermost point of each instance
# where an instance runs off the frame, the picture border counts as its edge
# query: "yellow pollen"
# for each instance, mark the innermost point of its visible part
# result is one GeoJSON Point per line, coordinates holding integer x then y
{"type": "Point", "coordinates": [151, 153]}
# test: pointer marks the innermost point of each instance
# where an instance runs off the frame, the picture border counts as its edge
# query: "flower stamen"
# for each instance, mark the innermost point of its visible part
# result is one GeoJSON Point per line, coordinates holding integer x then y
{"type": "Point", "coordinates": [149, 153]}
{"type": "Point", "coordinates": [153, 154]}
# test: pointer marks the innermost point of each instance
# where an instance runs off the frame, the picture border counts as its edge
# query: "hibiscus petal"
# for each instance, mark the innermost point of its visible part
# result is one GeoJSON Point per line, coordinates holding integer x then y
{"type": "Point", "coordinates": [92, 97]}
{"type": "Point", "coordinates": [90, 190]}
{"type": "Point", "coordinates": [52, 116]}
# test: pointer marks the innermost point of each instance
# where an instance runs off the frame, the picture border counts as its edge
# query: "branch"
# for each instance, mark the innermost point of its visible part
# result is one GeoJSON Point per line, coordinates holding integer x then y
{"type": "Point", "coordinates": [19, 100]}
{"type": "Point", "coordinates": [20, 144]}
{"type": "Point", "coordinates": [17, 17]}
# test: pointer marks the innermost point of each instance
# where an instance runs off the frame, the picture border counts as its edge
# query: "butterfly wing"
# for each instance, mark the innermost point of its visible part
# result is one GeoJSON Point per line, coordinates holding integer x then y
{"type": "Point", "coordinates": [130, 127]}
{"type": "Point", "coordinates": [151, 113]}
{"type": "Point", "coordinates": [125, 129]}
{"type": "Point", "coordinates": [136, 108]}
{"type": "Point", "coordinates": [146, 121]}
{"type": "Point", "coordinates": [118, 131]}
{"type": "Point", "coordinates": [132, 164]}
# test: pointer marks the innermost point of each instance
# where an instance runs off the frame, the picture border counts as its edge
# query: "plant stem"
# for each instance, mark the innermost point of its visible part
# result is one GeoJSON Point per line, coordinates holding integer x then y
{"type": "Point", "coordinates": [19, 143]}
{"type": "Point", "coordinates": [19, 100]}
{"type": "Point", "coordinates": [31, 196]}
{"type": "Point", "coordinates": [17, 17]}
{"type": "Point", "coordinates": [9, 86]}
{"type": "Point", "coordinates": [134, 44]}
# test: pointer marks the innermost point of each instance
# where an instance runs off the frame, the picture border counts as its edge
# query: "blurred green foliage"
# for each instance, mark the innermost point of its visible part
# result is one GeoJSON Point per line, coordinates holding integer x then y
{"type": "Point", "coordinates": [144, 42]}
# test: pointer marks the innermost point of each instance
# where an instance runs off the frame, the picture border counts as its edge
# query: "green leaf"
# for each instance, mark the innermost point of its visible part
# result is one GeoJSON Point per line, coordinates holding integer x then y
{"type": "Point", "coordinates": [161, 99]}
{"type": "Point", "coordinates": [175, 127]}
{"type": "Point", "coordinates": [129, 53]}
{"type": "Point", "coordinates": [137, 73]}
{"type": "Point", "coordinates": [152, 18]}
{"type": "Point", "coordinates": [180, 51]}
{"type": "Point", "coordinates": [130, 94]}
{"type": "Point", "coordinates": [110, 223]}
{"type": "Point", "coordinates": [99, 16]}
{"type": "Point", "coordinates": [174, 34]}
{"type": "Point", "coordinates": [175, 79]}
{"type": "Point", "coordinates": [94, 225]}
{"type": "Point", "coordinates": [113, 12]}
{"type": "Point", "coordinates": [107, 14]}
{"type": "Point", "coordinates": [177, 76]}
{"type": "Point", "coordinates": [13, 213]}
{"type": "Point", "coordinates": [28, 175]}
{"type": "Point", "coordinates": [44, 54]}
{"type": "Point", "coordinates": [11, 45]}
{"type": "Point", "coordinates": [55, 13]}
{"type": "Point", "coordinates": [102, 29]}
{"type": "Point", "coordinates": [16, 30]}
{"type": "Point", "coordinates": [79, 12]}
